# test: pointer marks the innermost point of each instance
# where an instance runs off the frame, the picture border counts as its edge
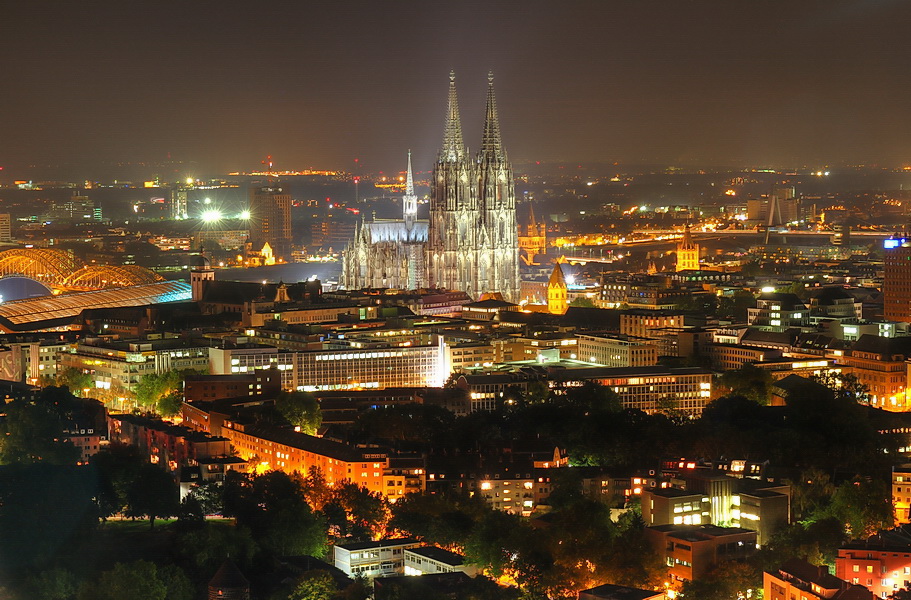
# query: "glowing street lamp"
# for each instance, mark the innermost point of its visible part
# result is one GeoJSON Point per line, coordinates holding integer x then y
{"type": "Point", "coordinates": [245, 215]}
{"type": "Point", "coordinates": [211, 216]}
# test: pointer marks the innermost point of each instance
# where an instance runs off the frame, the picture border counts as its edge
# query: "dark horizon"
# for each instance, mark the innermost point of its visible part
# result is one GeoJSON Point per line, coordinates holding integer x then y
{"type": "Point", "coordinates": [221, 85]}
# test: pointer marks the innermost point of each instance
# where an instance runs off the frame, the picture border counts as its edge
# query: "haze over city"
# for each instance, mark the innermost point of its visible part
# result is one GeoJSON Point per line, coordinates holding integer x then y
{"type": "Point", "coordinates": [469, 300]}
{"type": "Point", "coordinates": [317, 85]}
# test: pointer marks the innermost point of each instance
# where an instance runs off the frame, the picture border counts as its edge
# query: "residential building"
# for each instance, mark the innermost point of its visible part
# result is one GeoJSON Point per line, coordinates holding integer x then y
{"type": "Point", "coordinates": [373, 559]}
{"type": "Point", "coordinates": [881, 563]}
{"type": "Point", "coordinates": [901, 493]}
{"type": "Point", "coordinates": [799, 579]}
{"type": "Point", "coordinates": [777, 311]}
{"type": "Point", "coordinates": [262, 382]}
{"type": "Point", "coordinates": [880, 364]}
{"type": "Point", "coordinates": [171, 446]}
{"type": "Point", "coordinates": [268, 447]}
{"type": "Point", "coordinates": [689, 552]}
{"type": "Point", "coordinates": [429, 560]}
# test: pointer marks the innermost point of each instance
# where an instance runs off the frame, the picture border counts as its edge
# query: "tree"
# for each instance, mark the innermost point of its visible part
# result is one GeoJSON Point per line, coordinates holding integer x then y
{"type": "Point", "coordinates": [209, 545]}
{"type": "Point", "coordinates": [140, 579]}
{"type": "Point", "coordinates": [736, 305]}
{"type": "Point", "coordinates": [75, 379]}
{"type": "Point", "coordinates": [300, 409]}
{"type": "Point", "coordinates": [53, 584]}
{"type": "Point", "coordinates": [153, 493]}
{"type": "Point", "coordinates": [705, 304]}
{"type": "Point", "coordinates": [845, 385]}
{"type": "Point", "coordinates": [43, 508]}
{"type": "Point", "coordinates": [536, 392]}
{"type": "Point", "coordinates": [669, 406]}
{"type": "Point", "coordinates": [748, 381]}
{"type": "Point", "coordinates": [33, 432]}
{"type": "Point", "coordinates": [811, 493]}
{"type": "Point", "coordinates": [864, 506]}
{"type": "Point", "coordinates": [363, 513]}
{"type": "Point", "coordinates": [160, 391]}
{"type": "Point", "coordinates": [314, 585]}
{"type": "Point", "coordinates": [595, 398]}
{"type": "Point", "coordinates": [583, 302]}
{"type": "Point", "coordinates": [274, 507]}
{"type": "Point", "coordinates": [726, 580]}
{"type": "Point", "coordinates": [169, 405]}
{"type": "Point", "coordinates": [117, 466]}
{"type": "Point", "coordinates": [209, 497]}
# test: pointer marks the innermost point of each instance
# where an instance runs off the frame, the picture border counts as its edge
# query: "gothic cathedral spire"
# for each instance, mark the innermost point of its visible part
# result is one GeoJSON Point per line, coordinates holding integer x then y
{"type": "Point", "coordinates": [410, 199]}
{"type": "Point", "coordinates": [453, 149]}
{"type": "Point", "coordinates": [491, 144]}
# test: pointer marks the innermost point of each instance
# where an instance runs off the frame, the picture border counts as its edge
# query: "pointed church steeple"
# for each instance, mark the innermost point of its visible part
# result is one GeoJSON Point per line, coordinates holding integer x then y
{"type": "Point", "coordinates": [410, 199]}
{"type": "Point", "coordinates": [491, 144]}
{"type": "Point", "coordinates": [453, 146]}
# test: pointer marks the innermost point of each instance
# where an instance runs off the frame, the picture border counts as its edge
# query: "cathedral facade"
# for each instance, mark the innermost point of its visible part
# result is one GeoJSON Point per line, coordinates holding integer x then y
{"type": "Point", "coordinates": [388, 253]}
{"type": "Point", "coordinates": [470, 242]}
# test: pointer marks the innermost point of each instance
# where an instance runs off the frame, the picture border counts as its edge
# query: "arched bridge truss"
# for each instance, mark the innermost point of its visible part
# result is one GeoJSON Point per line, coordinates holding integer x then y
{"type": "Point", "coordinates": [60, 270]}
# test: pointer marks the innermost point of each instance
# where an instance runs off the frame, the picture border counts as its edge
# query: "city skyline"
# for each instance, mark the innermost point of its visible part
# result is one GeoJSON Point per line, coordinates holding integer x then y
{"type": "Point", "coordinates": [222, 87]}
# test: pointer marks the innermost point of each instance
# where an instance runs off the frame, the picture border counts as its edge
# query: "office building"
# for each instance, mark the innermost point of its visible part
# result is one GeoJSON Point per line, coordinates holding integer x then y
{"type": "Point", "coordinates": [270, 221]}
{"type": "Point", "coordinates": [897, 279]}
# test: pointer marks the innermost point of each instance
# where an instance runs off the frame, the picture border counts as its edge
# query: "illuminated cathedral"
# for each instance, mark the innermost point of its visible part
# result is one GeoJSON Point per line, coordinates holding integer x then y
{"type": "Point", "coordinates": [470, 242]}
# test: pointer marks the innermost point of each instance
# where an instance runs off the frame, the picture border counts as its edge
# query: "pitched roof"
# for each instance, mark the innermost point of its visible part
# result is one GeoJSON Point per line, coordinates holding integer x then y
{"type": "Point", "coordinates": [308, 443]}
{"type": "Point", "coordinates": [229, 576]}
{"type": "Point", "coordinates": [557, 279]}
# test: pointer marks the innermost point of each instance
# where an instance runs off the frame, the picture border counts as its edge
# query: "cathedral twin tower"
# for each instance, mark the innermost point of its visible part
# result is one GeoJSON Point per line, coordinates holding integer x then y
{"type": "Point", "coordinates": [470, 242]}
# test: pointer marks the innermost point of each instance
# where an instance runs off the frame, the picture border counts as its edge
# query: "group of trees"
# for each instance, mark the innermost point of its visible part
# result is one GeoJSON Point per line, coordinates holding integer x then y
{"type": "Point", "coordinates": [162, 392]}
{"type": "Point", "coordinates": [33, 430]}
{"type": "Point", "coordinates": [732, 307]}
{"type": "Point", "coordinates": [580, 546]}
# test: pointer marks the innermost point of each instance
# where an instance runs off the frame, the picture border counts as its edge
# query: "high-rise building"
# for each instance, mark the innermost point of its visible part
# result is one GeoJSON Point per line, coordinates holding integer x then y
{"type": "Point", "coordinates": [270, 221]}
{"type": "Point", "coordinates": [179, 201]}
{"type": "Point", "coordinates": [687, 253]}
{"type": "Point", "coordinates": [6, 230]}
{"type": "Point", "coordinates": [470, 243]}
{"type": "Point", "coordinates": [897, 279]}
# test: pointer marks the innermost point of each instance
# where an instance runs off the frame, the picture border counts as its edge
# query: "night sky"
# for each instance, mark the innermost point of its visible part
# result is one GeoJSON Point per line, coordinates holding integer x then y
{"type": "Point", "coordinates": [317, 84]}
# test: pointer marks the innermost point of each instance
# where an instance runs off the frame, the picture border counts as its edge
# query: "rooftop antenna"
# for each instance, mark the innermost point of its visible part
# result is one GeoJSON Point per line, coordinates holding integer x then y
{"type": "Point", "coordinates": [268, 164]}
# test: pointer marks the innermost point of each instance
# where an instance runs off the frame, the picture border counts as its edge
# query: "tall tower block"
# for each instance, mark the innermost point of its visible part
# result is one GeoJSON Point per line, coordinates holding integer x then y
{"type": "Point", "coordinates": [897, 279]}
{"type": "Point", "coordinates": [270, 221]}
